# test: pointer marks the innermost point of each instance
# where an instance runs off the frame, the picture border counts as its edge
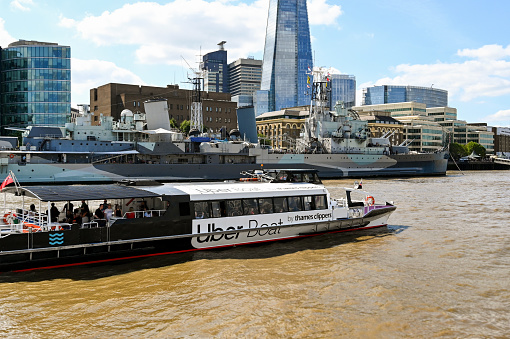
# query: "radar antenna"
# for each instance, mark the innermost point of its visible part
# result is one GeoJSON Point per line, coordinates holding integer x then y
{"type": "Point", "coordinates": [196, 115]}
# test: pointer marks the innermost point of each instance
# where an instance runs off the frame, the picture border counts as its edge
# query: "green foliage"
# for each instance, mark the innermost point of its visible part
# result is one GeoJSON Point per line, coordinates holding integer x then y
{"type": "Point", "coordinates": [476, 147]}
{"type": "Point", "coordinates": [185, 127]}
{"type": "Point", "coordinates": [173, 124]}
{"type": "Point", "coordinates": [263, 139]}
{"type": "Point", "coordinates": [458, 151]}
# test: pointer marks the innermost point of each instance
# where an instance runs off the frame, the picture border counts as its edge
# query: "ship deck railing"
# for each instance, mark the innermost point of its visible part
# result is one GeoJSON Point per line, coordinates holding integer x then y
{"type": "Point", "coordinates": [30, 222]}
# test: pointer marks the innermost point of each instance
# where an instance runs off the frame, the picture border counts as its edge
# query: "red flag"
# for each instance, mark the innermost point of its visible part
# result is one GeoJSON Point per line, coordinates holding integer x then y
{"type": "Point", "coordinates": [7, 181]}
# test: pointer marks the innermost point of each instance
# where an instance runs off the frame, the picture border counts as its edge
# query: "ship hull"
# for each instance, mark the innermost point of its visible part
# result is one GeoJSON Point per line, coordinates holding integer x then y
{"type": "Point", "coordinates": [328, 165]}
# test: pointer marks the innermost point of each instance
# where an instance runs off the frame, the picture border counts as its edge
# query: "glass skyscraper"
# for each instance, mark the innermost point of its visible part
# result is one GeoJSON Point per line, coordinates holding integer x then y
{"type": "Point", "coordinates": [287, 57]}
{"type": "Point", "coordinates": [35, 84]}
{"type": "Point", "coordinates": [391, 94]}
{"type": "Point", "coordinates": [216, 68]}
{"type": "Point", "coordinates": [343, 88]}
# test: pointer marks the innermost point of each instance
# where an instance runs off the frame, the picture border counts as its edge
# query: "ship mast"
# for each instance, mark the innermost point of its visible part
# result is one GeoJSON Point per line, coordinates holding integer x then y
{"type": "Point", "coordinates": [197, 119]}
{"type": "Point", "coordinates": [318, 113]}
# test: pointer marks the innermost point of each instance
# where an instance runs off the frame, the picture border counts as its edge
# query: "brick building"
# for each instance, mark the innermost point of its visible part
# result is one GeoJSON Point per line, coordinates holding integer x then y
{"type": "Point", "coordinates": [111, 99]}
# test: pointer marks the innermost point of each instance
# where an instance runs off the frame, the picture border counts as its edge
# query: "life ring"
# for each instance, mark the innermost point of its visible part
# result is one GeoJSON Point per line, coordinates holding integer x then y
{"type": "Point", "coordinates": [34, 227]}
{"type": "Point", "coordinates": [9, 217]}
{"type": "Point", "coordinates": [11, 155]}
{"type": "Point", "coordinates": [370, 200]}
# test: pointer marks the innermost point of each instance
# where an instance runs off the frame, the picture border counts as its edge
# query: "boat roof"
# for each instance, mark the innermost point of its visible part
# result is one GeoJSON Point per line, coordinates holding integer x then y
{"type": "Point", "coordinates": [196, 191]}
{"type": "Point", "coordinates": [86, 192]}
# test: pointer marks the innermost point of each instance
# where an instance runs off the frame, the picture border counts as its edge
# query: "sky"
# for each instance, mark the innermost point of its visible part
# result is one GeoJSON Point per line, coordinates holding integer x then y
{"type": "Point", "coordinates": [461, 46]}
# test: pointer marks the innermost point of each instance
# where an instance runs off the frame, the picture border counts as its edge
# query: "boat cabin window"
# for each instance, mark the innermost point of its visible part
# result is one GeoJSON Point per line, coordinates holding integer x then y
{"type": "Point", "coordinates": [280, 205]}
{"type": "Point", "coordinates": [266, 205]}
{"type": "Point", "coordinates": [307, 203]}
{"type": "Point", "coordinates": [250, 206]}
{"type": "Point", "coordinates": [295, 204]}
{"type": "Point", "coordinates": [234, 208]}
{"type": "Point", "coordinates": [202, 210]}
{"type": "Point", "coordinates": [217, 208]}
{"type": "Point", "coordinates": [320, 202]}
{"type": "Point", "coordinates": [295, 176]}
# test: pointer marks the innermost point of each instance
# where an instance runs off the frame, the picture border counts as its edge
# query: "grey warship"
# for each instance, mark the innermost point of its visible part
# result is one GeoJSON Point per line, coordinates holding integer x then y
{"type": "Point", "coordinates": [143, 146]}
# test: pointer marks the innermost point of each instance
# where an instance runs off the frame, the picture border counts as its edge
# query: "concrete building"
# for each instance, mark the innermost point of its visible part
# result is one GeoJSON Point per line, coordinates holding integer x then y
{"type": "Point", "coordinates": [422, 131]}
{"type": "Point", "coordinates": [287, 57]}
{"type": "Point", "coordinates": [401, 109]}
{"type": "Point", "coordinates": [423, 125]}
{"type": "Point", "coordinates": [35, 84]}
{"type": "Point", "coordinates": [388, 94]}
{"type": "Point", "coordinates": [381, 123]}
{"type": "Point", "coordinates": [501, 139]}
{"type": "Point", "coordinates": [244, 79]}
{"type": "Point", "coordinates": [282, 127]}
{"type": "Point", "coordinates": [110, 99]}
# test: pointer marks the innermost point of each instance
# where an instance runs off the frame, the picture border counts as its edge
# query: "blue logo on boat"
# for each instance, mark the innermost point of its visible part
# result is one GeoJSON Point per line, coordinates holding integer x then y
{"type": "Point", "coordinates": [56, 238]}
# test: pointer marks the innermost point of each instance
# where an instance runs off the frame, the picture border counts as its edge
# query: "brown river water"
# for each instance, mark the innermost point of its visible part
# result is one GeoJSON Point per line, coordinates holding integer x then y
{"type": "Point", "coordinates": [440, 270]}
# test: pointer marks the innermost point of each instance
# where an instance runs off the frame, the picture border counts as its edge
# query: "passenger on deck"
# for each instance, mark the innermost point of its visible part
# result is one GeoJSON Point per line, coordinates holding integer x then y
{"type": "Point", "coordinates": [108, 212]}
{"type": "Point", "coordinates": [118, 211]}
{"type": "Point", "coordinates": [130, 214]}
{"type": "Point", "coordinates": [85, 217]}
{"type": "Point", "coordinates": [54, 212]}
{"type": "Point", "coordinates": [98, 214]}
{"type": "Point", "coordinates": [84, 206]}
{"type": "Point", "coordinates": [32, 212]}
{"type": "Point", "coordinates": [68, 207]}
{"type": "Point", "coordinates": [146, 213]}
{"type": "Point", "coordinates": [77, 217]}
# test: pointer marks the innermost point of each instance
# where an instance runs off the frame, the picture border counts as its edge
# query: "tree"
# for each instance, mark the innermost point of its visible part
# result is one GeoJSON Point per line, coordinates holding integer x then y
{"type": "Point", "coordinates": [263, 139]}
{"type": "Point", "coordinates": [185, 126]}
{"type": "Point", "coordinates": [173, 124]}
{"type": "Point", "coordinates": [475, 147]}
{"type": "Point", "coordinates": [458, 151]}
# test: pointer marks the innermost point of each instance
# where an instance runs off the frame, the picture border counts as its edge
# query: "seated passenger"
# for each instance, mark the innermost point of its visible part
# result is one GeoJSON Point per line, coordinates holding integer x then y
{"type": "Point", "coordinates": [146, 213]}
{"type": "Point", "coordinates": [85, 217]}
{"type": "Point", "coordinates": [99, 212]}
{"type": "Point", "coordinates": [118, 211]}
{"type": "Point", "coordinates": [130, 214]}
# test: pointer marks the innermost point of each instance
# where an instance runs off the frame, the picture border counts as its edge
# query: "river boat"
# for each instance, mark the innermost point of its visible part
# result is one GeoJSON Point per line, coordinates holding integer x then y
{"type": "Point", "coordinates": [143, 146]}
{"type": "Point", "coordinates": [264, 207]}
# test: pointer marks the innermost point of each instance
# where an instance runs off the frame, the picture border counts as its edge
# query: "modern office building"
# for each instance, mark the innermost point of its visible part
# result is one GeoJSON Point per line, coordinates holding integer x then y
{"type": "Point", "coordinates": [388, 94]}
{"type": "Point", "coordinates": [215, 67]}
{"type": "Point", "coordinates": [111, 99]}
{"type": "Point", "coordinates": [433, 128]}
{"type": "Point", "coordinates": [244, 80]}
{"type": "Point", "coordinates": [343, 88]}
{"type": "Point", "coordinates": [35, 84]}
{"type": "Point", "coordinates": [287, 57]}
{"type": "Point", "coordinates": [400, 109]}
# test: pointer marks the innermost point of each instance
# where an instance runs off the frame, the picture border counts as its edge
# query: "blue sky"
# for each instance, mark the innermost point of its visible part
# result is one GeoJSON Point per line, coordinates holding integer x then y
{"type": "Point", "coordinates": [460, 46]}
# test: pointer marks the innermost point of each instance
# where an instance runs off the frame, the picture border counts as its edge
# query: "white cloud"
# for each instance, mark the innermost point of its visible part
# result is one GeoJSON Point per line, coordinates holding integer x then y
{"type": "Point", "coordinates": [22, 5]}
{"type": "Point", "coordinates": [88, 74]}
{"type": "Point", "coordinates": [490, 52]}
{"type": "Point", "coordinates": [5, 37]}
{"type": "Point", "coordinates": [321, 13]}
{"type": "Point", "coordinates": [486, 76]}
{"type": "Point", "coordinates": [503, 117]}
{"type": "Point", "coordinates": [181, 28]}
